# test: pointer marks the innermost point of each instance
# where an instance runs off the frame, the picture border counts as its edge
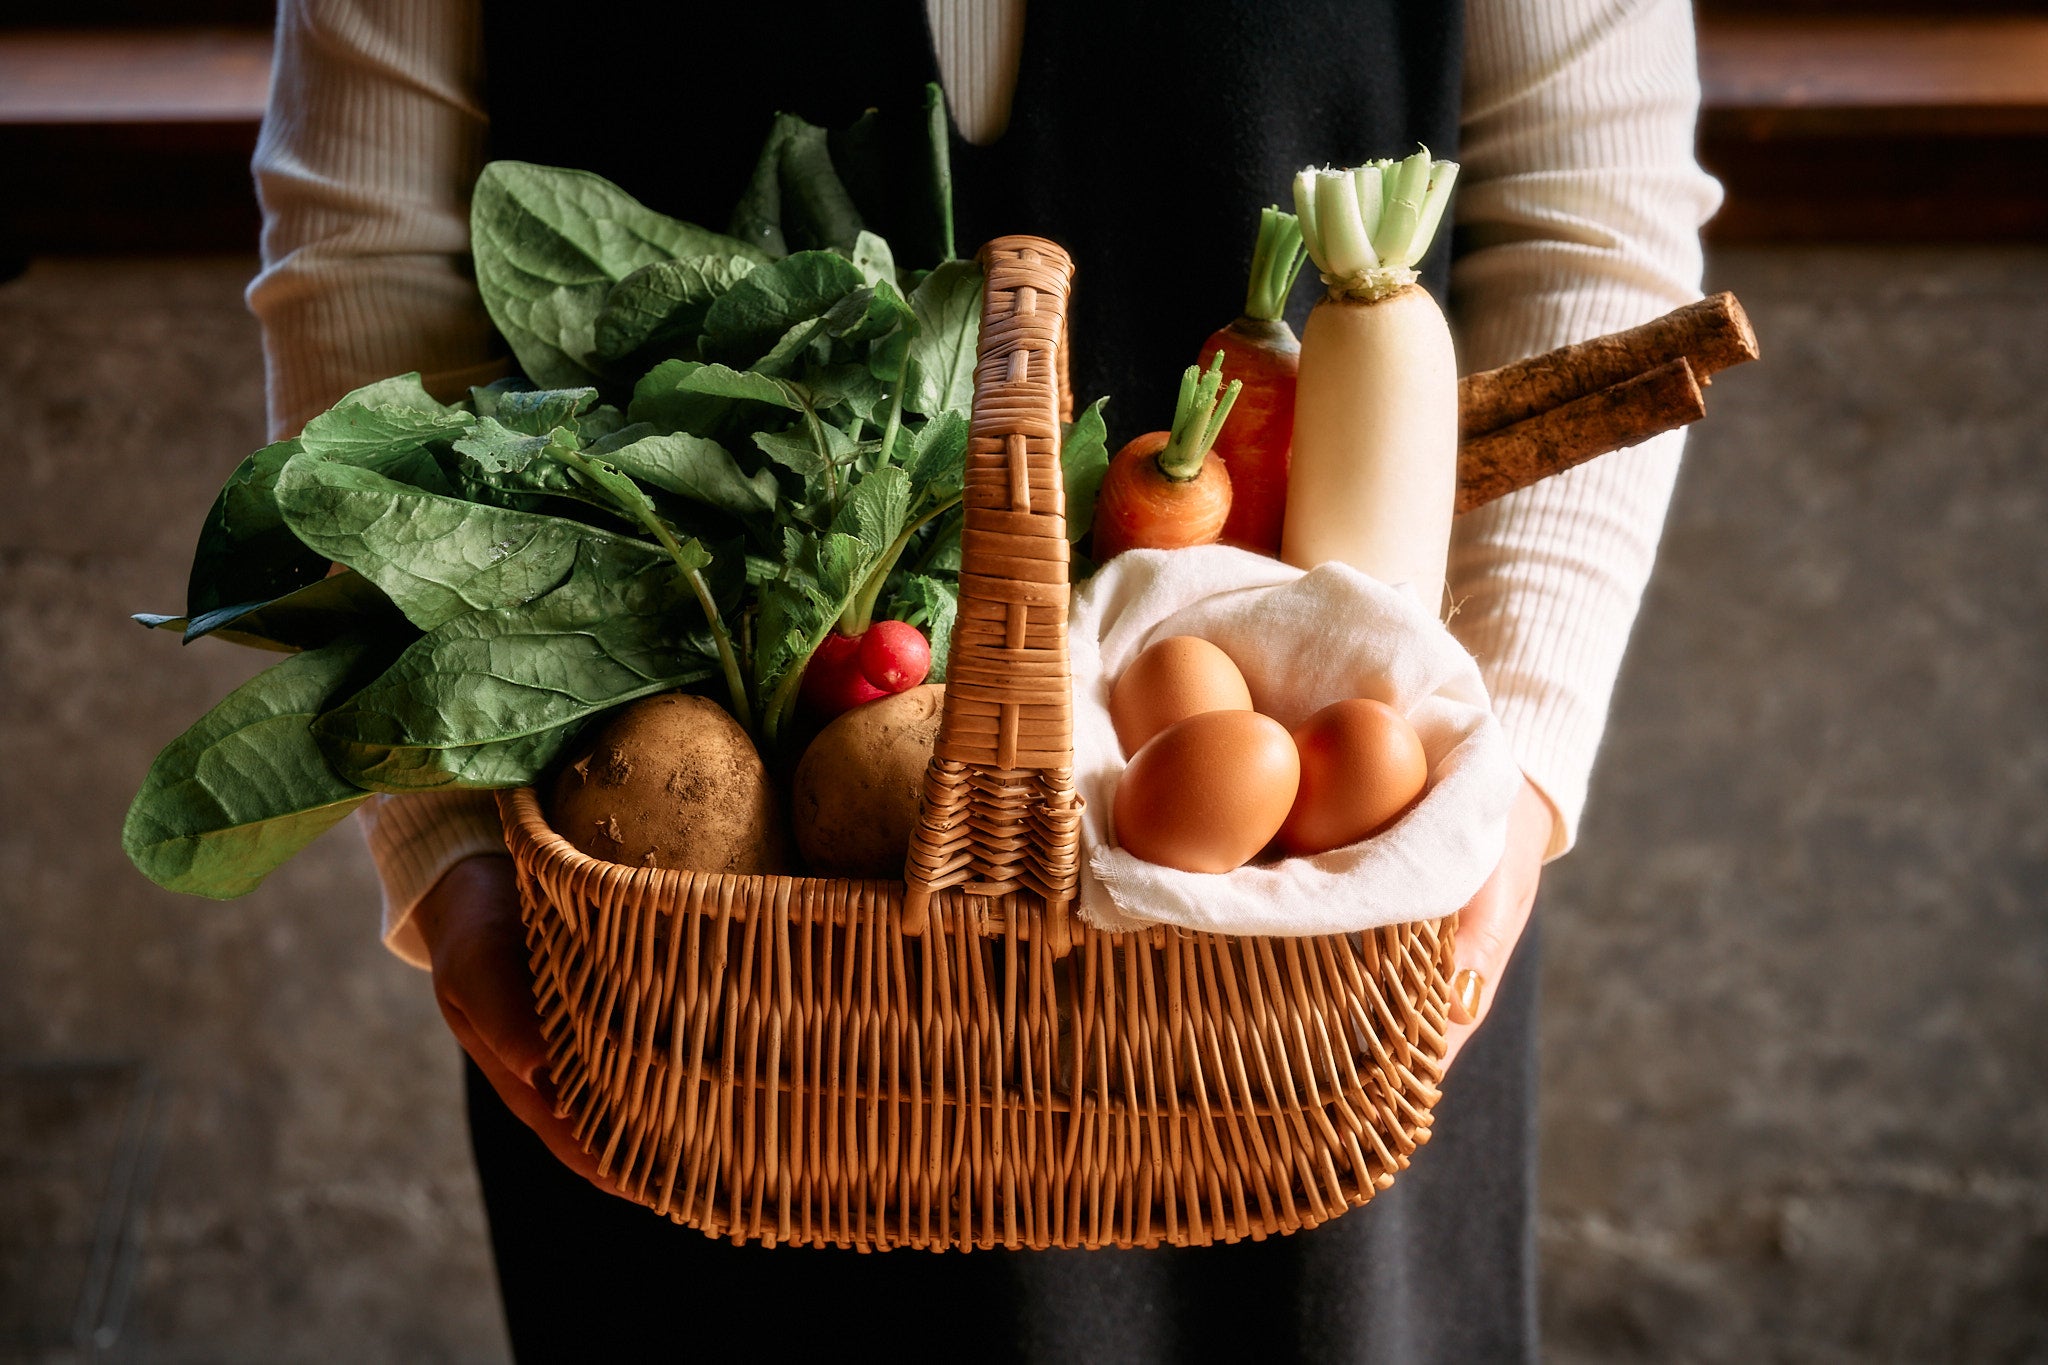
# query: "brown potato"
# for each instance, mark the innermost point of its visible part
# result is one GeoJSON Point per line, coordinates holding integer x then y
{"type": "Point", "coordinates": [671, 781]}
{"type": "Point", "coordinates": [857, 789]}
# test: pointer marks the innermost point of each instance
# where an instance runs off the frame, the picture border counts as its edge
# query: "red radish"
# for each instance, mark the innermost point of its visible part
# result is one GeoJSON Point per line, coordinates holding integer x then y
{"type": "Point", "coordinates": [1260, 349]}
{"type": "Point", "coordinates": [895, 656]}
{"type": "Point", "coordinates": [1162, 491]}
{"type": "Point", "coordinates": [833, 682]}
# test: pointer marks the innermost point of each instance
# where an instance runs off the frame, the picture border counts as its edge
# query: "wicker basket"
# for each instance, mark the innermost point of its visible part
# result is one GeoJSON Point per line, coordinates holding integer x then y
{"type": "Point", "coordinates": [954, 1061]}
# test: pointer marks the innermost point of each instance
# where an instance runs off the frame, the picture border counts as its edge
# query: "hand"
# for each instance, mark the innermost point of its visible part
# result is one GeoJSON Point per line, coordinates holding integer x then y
{"type": "Point", "coordinates": [1492, 923]}
{"type": "Point", "coordinates": [477, 945]}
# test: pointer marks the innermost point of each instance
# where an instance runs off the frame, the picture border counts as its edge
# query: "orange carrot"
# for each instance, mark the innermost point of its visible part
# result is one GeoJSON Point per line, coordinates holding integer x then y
{"type": "Point", "coordinates": [1162, 491]}
{"type": "Point", "coordinates": [1261, 350]}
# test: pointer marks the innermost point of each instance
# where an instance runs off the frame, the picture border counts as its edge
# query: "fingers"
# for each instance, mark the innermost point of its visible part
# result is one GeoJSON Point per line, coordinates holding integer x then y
{"type": "Point", "coordinates": [483, 982]}
{"type": "Point", "coordinates": [1491, 925]}
{"type": "Point", "coordinates": [528, 1104]}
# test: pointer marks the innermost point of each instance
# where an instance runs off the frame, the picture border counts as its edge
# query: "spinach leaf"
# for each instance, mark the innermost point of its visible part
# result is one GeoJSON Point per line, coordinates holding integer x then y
{"type": "Point", "coordinates": [684, 395]}
{"type": "Point", "coordinates": [320, 613]}
{"type": "Point", "coordinates": [947, 306]}
{"type": "Point", "coordinates": [489, 698]}
{"type": "Point", "coordinates": [794, 200]}
{"type": "Point", "coordinates": [853, 387]}
{"type": "Point", "coordinates": [246, 787]}
{"type": "Point", "coordinates": [532, 412]}
{"type": "Point", "coordinates": [895, 164]}
{"type": "Point", "coordinates": [874, 259]}
{"type": "Point", "coordinates": [399, 391]}
{"type": "Point", "coordinates": [549, 246]}
{"type": "Point", "coordinates": [797, 450]}
{"type": "Point", "coordinates": [1084, 459]}
{"type": "Point", "coordinates": [246, 552]}
{"type": "Point", "coordinates": [397, 442]}
{"type": "Point", "coordinates": [754, 315]}
{"type": "Point", "coordinates": [699, 469]}
{"type": "Point", "coordinates": [439, 557]}
{"type": "Point", "coordinates": [663, 304]}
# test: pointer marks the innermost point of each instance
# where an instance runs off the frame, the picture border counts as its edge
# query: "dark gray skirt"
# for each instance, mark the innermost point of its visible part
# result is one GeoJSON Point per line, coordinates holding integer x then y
{"type": "Point", "coordinates": [1439, 1268]}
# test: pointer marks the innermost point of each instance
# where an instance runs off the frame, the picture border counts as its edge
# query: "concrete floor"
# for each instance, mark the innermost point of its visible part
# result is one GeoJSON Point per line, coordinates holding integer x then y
{"type": "Point", "coordinates": [1791, 1109]}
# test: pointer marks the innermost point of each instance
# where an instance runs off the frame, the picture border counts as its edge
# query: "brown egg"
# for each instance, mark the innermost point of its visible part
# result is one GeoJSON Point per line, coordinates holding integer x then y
{"type": "Point", "coordinates": [1361, 765]}
{"type": "Point", "coordinates": [1207, 793]}
{"type": "Point", "coordinates": [1178, 677]}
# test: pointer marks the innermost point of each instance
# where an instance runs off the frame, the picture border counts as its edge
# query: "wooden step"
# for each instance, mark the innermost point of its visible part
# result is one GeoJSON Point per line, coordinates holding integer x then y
{"type": "Point", "coordinates": [1876, 127]}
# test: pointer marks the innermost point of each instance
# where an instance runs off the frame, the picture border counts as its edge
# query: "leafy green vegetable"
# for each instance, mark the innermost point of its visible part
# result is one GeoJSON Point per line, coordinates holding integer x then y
{"type": "Point", "coordinates": [751, 317]}
{"type": "Point", "coordinates": [941, 357]}
{"type": "Point", "coordinates": [932, 605]}
{"type": "Point", "coordinates": [246, 552]}
{"type": "Point", "coordinates": [246, 788]}
{"type": "Point", "coordinates": [794, 200]}
{"type": "Point", "coordinates": [938, 461]}
{"type": "Point", "coordinates": [684, 395]}
{"type": "Point", "coordinates": [397, 442]}
{"type": "Point", "coordinates": [319, 613]}
{"type": "Point", "coordinates": [1084, 459]}
{"type": "Point", "coordinates": [663, 304]}
{"type": "Point", "coordinates": [895, 163]}
{"type": "Point", "coordinates": [550, 244]}
{"type": "Point", "coordinates": [438, 557]}
{"type": "Point", "coordinates": [533, 412]}
{"type": "Point", "coordinates": [563, 556]}
{"type": "Point", "coordinates": [700, 469]}
{"type": "Point", "coordinates": [488, 698]}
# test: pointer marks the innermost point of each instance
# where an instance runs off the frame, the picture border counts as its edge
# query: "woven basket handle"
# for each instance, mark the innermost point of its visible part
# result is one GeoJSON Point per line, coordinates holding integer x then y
{"type": "Point", "coordinates": [1000, 813]}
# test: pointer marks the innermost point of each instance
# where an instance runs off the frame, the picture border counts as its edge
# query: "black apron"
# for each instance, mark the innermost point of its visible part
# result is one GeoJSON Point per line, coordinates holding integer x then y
{"type": "Point", "coordinates": [1145, 139]}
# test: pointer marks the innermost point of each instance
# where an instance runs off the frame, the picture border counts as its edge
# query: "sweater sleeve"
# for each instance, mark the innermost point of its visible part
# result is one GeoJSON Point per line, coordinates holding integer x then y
{"type": "Point", "coordinates": [372, 138]}
{"type": "Point", "coordinates": [1579, 214]}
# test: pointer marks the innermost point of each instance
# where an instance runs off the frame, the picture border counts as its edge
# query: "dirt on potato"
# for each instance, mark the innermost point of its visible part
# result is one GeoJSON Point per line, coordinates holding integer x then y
{"type": "Point", "coordinates": [671, 782]}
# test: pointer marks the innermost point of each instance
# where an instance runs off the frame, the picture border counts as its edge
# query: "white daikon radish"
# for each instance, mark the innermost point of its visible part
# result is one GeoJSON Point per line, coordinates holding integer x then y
{"type": "Point", "coordinates": [1375, 465]}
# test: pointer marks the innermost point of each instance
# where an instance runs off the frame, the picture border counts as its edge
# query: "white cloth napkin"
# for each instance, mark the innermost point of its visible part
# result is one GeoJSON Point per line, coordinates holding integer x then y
{"type": "Point", "coordinates": [1303, 640]}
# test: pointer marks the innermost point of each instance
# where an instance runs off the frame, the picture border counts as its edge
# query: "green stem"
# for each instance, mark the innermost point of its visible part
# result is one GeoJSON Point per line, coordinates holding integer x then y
{"type": "Point", "coordinates": [816, 427]}
{"type": "Point", "coordinates": [861, 610]}
{"type": "Point", "coordinates": [1276, 261]}
{"type": "Point", "coordinates": [734, 684]}
{"type": "Point", "coordinates": [1197, 419]}
{"type": "Point", "coordinates": [939, 136]}
{"type": "Point", "coordinates": [643, 512]}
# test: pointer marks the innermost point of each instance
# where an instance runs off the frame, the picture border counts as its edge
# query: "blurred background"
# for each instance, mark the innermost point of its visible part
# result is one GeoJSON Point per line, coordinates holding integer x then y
{"type": "Point", "coordinates": [1795, 1091]}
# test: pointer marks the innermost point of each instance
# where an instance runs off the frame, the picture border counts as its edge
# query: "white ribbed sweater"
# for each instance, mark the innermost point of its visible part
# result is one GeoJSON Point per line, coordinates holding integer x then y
{"type": "Point", "coordinates": [1580, 194]}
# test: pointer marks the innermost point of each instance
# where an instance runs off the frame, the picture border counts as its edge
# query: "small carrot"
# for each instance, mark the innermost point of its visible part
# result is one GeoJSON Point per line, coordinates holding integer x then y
{"type": "Point", "coordinates": [1162, 491]}
{"type": "Point", "coordinates": [1260, 349]}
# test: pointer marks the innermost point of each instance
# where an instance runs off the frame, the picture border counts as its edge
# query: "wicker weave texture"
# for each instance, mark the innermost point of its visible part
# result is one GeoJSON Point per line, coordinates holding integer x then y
{"type": "Point", "coordinates": [954, 1060]}
{"type": "Point", "coordinates": [1000, 810]}
{"type": "Point", "coordinates": [774, 1059]}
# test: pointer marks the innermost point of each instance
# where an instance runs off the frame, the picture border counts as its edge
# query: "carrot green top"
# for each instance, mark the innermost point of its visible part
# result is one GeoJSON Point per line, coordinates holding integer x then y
{"type": "Point", "coordinates": [1367, 227]}
{"type": "Point", "coordinates": [1198, 418]}
{"type": "Point", "coordinates": [1276, 260]}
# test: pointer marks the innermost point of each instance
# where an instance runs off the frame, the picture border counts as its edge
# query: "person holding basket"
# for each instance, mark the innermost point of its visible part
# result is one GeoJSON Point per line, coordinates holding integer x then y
{"type": "Point", "coordinates": [1143, 142]}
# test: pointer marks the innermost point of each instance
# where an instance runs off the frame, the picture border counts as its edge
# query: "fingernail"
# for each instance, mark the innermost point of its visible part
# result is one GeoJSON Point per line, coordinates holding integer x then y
{"type": "Point", "coordinates": [1468, 988]}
